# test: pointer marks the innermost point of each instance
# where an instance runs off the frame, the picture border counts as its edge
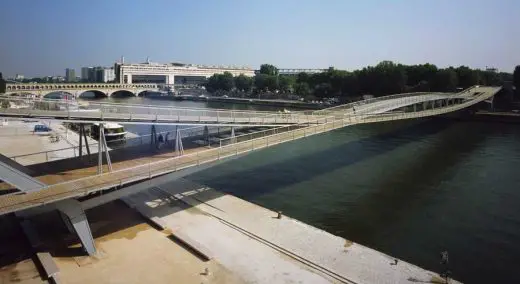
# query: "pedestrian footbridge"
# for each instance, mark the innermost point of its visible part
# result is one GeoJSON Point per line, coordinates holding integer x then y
{"type": "Point", "coordinates": [76, 177]}
{"type": "Point", "coordinates": [377, 110]}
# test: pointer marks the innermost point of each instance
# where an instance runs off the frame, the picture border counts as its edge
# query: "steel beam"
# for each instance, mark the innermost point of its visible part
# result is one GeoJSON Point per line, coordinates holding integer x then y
{"type": "Point", "coordinates": [76, 219]}
{"type": "Point", "coordinates": [19, 179]}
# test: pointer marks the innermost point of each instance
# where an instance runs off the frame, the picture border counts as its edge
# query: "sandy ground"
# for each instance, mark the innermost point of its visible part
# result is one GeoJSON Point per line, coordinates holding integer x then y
{"type": "Point", "coordinates": [129, 251]}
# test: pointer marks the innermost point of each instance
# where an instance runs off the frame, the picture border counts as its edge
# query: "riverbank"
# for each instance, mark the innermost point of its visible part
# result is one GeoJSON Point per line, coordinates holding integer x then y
{"type": "Point", "coordinates": [184, 232]}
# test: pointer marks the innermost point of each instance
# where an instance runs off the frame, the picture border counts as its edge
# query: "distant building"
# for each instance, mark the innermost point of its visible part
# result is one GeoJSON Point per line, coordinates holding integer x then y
{"type": "Point", "coordinates": [70, 75]}
{"type": "Point", "coordinates": [295, 71]}
{"type": "Point", "coordinates": [97, 74]}
{"type": "Point", "coordinates": [106, 75]}
{"type": "Point", "coordinates": [85, 74]}
{"type": "Point", "coordinates": [19, 77]}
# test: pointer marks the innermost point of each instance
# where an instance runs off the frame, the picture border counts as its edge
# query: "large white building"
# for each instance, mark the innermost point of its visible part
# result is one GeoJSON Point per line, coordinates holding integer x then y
{"type": "Point", "coordinates": [107, 75]}
{"type": "Point", "coordinates": [172, 73]}
{"type": "Point", "coordinates": [97, 74]}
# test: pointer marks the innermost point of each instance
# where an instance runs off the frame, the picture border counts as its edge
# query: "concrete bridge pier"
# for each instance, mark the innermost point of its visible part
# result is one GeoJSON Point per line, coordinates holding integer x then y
{"type": "Point", "coordinates": [179, 149]}
{"type": "Point", "coordinates": [102, 147]}
{"type": "Point", "coordinates": [83, 135]}
{"type": "Point", "coordinates": [170, 79]}
{"type": "Point", "coordinates": [76, 221]}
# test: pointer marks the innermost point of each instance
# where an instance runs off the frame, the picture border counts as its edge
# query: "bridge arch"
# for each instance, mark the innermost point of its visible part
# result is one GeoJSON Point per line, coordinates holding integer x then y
{"type": "Point", "coordinates": [121, 94]}
{"type": "Point", "coordinates": [93, 94]}
{"type": "Point", "coordinates": [57, 95]}
{"type": "Point", "coordinates": [143, 93]}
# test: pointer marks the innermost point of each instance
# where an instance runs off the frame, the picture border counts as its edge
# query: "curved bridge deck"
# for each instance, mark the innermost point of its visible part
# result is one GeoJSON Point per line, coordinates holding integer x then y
{"type": "Point", "coordinates": [85, 181]}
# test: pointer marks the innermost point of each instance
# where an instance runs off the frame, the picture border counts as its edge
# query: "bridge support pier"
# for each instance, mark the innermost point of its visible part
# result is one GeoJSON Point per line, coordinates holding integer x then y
{"type": "Point", "coordinates": [206, 135]}
{"type": "Point", "coordinates": [83, 135]}
{"type": "Point", "coordinates": [233, 140]}
{"type": "Point", "coordinates": [76, 221]}
{"type": "Point", "coordinates": [102, 147]}
{"type": "Point", "coordinates": [179, 149]}
{"type": "Point", "coordinates": [153, 136]}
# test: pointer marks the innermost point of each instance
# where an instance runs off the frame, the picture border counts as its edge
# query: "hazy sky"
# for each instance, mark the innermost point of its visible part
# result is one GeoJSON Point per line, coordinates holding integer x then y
{"type": "Point", "coordinates": [45, 37]}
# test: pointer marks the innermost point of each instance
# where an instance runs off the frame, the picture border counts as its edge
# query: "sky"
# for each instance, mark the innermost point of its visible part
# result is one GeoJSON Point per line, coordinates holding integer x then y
{"type": "Point", "coordinates": [40, 38]}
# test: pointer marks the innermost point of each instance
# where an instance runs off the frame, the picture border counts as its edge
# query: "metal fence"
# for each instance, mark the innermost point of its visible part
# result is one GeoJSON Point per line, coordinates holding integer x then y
{"type": "Point", "coordinates": [169, 136]}
{"type": "Point", "coordinates": [66, 109]}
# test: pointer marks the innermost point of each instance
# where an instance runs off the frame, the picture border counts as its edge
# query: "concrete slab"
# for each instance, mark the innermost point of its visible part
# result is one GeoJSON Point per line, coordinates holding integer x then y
{"type": "Point", "coordinates": [329, 255]}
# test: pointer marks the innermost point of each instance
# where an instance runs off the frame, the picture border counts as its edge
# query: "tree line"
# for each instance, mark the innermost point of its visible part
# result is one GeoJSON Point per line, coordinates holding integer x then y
{"type": "Point", "coordinates": [385, 78]}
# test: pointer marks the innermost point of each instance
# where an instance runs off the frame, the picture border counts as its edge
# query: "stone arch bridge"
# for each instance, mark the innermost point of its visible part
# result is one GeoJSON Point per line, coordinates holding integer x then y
{"type": "Point", "coordinates": [77, 89]}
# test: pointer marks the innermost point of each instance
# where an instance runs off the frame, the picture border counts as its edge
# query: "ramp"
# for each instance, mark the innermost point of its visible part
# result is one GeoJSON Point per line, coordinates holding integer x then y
{"type": "Point", "coordinates": [17, 176]}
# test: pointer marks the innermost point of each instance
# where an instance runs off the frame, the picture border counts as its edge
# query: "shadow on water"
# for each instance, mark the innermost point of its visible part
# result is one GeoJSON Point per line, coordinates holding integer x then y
{"type": "Point", "coordinates": [401, 189]}
{"type": "Point", "coordinates": [308, 165]}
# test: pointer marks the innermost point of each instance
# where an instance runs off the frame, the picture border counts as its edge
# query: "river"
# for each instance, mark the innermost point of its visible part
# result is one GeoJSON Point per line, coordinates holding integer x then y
{"type": "Point", "coordinates": [410, 189]}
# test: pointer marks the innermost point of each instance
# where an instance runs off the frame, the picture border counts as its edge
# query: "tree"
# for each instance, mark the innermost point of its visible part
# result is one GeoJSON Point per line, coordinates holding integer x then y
{"type": "Point", "coordinates": [243, 83]}
{"type": "Point", "coordinates": [260, 82]}
{"type": "Point", "coordinates": [271, 82]}
{"type": "Point", "coordinates": [286, 83]}
{"type": "Point", "coordinates": [268, 69]}
{"type": "Point", "coordinates": [516, 79]}
{"type": "Point", "coordinates": [446, 80]}
{"type": "Point", "coordinates": [302, 77]}
{"type": "Point", "coordinates": [212, 84]}
{"type": "Point", "coordinates": [224, 82]}
{"type": "Point", "coordinates": [467, 77]}
{"type": "Point", "coordinates": [302, 89]}
{"type": "Point", "coordinates": [2, 84]}
{"type": "Point", "coordinates": [227, 82]}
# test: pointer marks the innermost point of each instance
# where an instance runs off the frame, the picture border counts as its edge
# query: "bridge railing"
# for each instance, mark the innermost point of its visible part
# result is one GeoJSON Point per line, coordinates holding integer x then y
{"type": "Point", "coordinates": [66, 109]}
{"type": "Point", "coordinates": [350, 105]}
{"type": "Point", "coordinates": [390, 97]}
{"type": "Point", "coordinates": [227, 148]}
{"type": "Point", "coordinates": [143, 139]}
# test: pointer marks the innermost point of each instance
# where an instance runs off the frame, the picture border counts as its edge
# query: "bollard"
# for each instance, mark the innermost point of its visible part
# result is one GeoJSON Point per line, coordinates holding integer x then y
{"type": "Point", "coordinates": [279, 215]}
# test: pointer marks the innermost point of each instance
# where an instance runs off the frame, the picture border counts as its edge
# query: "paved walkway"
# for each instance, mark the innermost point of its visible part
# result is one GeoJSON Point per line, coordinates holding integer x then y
{"type": "Point", "coordinates": [328, 257]}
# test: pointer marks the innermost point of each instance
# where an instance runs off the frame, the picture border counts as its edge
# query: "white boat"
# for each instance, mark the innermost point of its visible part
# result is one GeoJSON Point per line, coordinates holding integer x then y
{"type": "Point", "coordinates": [113, 131]}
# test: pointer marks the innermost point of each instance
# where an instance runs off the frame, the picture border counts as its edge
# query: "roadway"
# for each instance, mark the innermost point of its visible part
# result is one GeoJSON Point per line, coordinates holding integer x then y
{"type": "Point", "coordinates": [84, 180]}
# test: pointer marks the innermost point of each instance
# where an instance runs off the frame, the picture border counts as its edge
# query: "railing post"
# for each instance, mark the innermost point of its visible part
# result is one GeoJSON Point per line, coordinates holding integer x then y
{"type": "Point", "coordinates": [46, 156]}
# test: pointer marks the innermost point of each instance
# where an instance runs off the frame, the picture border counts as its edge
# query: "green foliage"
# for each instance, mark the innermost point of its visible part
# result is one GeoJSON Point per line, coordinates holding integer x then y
{"type": "Point", "coordinates": [224, 82]}
{"type": "Point", "coordinates": [271, 82]}
{"type": "Point", "coordinates": [243, 83]}
{"type": "Point", "coordinates": [445, 80]}
{"type": "Point", "coordinates": [268, 69]}
{"type": "Point", "coordinates": [286, 83]}
{"type": "Point", "coordinates": [2, 84]}
{"type": "Point", "coordinates": [302, 89]}
{"type": "Point", "coordinates": [260, 82]}
{"type": "Point", "coordinates": [516, 78]}
{"type": "Point", "coordinates": [383, 79]}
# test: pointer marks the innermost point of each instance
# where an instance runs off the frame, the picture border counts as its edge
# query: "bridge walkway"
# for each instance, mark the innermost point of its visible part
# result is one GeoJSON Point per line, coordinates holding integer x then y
{"type": "Point", "coordinates": [227, 148]}
{"type": "Point", "coordinates": [54, 172]}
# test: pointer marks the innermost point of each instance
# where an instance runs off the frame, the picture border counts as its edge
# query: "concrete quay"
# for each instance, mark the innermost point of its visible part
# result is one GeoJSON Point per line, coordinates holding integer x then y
{"type": "Point", "coordinates": [18, 140]}
{"type": "Point", "coordinates": [260, 248]}
{"type": "Point", "coordinates": [162, 235]}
